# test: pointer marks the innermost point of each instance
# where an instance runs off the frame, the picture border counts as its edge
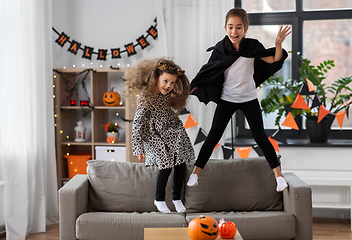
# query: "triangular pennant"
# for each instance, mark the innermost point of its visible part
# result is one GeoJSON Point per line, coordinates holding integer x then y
{"type": "Point", "coordinates": [305, 90]}
{"type": "Point", "coordinates": [217, 145]}
{"type": "Point", "coordinates": [322, 112]}
{"type": "Point", "coordinates": [275, 144]}
{"type": "Point", "coordinates": [311, 87]}
{"type": "Point", "coordinates": [331, 118]}
{"type": "Point", "coordinates": [290, 122]}
{"type": "Point", "coordinates": [227, 151]}
{"type": "Point", "coordinates": [316, 102]}
{"type": "Point", "coordinates": [279, 136]}
{"type": "Point", "coordinates": [347, 111]}
{"type": "Point", "coordinates": [339, 117]}
{"type": "Point", "coordinates": [190, 122]}
{"type": "Point", "coordinates": [184, 111]}
{"type": "Point", "coordinates": [347, 103]}
{"type": "Point", "coordinates": [288, 108]}
{"type": "Point", "coordinates": [244, 151]}
{"type": "Point", "coordinates": [300, 103]}
{"type": "Point", "coordinates": [258, 150]}
{"type": "Point", "coordinates": [201, 136]}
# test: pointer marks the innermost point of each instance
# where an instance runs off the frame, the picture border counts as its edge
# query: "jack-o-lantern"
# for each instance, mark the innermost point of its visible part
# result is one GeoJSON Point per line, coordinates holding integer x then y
{"type": "Point", "coordinates": [227, 230]}
{"type": "Point", "coordinates": [111, 98]}
{"type": "Point", "coordinates": [203, 228]}
{"type": "Point", "coordinates": [110, 139]}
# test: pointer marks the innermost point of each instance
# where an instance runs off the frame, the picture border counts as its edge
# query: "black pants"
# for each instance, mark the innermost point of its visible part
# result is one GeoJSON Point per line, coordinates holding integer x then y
{"type": "Point", "coordinates": [222, 116]}
{"type": "Point", "coordinates": [161, 182]}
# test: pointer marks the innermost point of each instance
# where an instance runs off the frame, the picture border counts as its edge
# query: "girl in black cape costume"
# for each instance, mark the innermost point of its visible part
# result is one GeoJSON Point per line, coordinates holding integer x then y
{"type": "Point", "coordinates": [237, 66]}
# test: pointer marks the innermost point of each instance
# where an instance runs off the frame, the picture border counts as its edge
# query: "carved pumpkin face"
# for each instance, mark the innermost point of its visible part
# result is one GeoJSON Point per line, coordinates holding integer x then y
{"type": "Point", "coordinates": [110, 139]}
{"type": "Point", "coordinates": [227, 230]}
{"type": "Point", "coordinates": [111, 98]}
{"type": "Point", "coordinates": [203, 228]}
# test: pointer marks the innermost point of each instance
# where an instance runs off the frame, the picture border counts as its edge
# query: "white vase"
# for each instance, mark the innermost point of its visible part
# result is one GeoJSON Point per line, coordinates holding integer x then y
{"type": "Point", "coordinates": [113, 134]}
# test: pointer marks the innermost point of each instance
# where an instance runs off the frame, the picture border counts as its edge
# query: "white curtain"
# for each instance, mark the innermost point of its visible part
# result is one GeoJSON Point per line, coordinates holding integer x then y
{"type": "Point", "coordinates": [191, 27]}
{"type": "Point", "coordinates": [27, 141]}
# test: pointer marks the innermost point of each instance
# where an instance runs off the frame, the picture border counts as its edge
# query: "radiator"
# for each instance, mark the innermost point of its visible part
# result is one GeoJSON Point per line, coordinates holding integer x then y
{"type": "Point", "coordinates": [2, 219]}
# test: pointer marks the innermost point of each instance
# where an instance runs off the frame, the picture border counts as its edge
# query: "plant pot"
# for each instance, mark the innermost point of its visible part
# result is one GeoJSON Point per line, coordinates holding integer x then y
{"type": "Point", "coordinates": [318, 132]}
{"type": "Point", "coordinates": [112, 134]}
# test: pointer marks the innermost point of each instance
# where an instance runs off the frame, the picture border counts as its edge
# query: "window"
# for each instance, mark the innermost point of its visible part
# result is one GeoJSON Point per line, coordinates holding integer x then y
{"type": "Point", "coordinates": [255, 6]}
{"type": "Point", "coordinates": [309, 5]}
{"type": "Point", "coordinates": [320, 30]}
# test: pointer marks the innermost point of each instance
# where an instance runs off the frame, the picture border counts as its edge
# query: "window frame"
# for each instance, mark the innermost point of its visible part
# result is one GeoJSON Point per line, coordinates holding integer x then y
{"type": "Point", "coordinates": [295, 19]}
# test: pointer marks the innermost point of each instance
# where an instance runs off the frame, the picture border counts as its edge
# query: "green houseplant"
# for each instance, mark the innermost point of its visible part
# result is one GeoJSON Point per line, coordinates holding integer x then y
{"type": "Point", "coordinates": [283, 93]}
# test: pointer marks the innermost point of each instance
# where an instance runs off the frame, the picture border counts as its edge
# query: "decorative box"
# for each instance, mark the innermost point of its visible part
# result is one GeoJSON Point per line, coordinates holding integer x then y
{"type": "Point", "coordinates": [113, 153]}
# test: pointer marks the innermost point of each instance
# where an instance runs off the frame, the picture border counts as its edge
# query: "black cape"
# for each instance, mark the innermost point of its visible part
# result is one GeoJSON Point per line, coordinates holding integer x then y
{"type": "Point", "coordinates": [210, 78]}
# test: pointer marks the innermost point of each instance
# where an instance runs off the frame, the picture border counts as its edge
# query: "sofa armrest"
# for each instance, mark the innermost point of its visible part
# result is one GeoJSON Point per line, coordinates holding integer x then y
{"type": "Point", "coordinates": [297, 200]}
{"type": "Point", "coordinates": [73, 201]}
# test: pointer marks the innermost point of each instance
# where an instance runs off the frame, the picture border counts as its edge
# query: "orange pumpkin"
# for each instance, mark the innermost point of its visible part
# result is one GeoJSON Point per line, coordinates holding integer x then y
{"type": "Point", "coordinates": [203, 228]}
{"type": "Point", "coordinates": [227, 229]}
{"type": "Point", "coordinates": [111, 98]}
{"type": "Point", "coordinates": [110, 139]}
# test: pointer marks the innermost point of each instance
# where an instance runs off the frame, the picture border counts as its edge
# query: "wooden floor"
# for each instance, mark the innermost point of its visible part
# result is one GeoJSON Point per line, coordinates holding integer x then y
{"type": "Point", "coordinates": [323, 229]}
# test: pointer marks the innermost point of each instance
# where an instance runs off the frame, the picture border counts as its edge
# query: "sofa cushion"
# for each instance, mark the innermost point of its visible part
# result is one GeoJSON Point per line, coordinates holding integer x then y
{"type": "Point", "coordinates": [124, 187]}
{"type": "Point", "coordinates": [115, 226]}
{"type": "Point", "coordinates": [269, 225]}
{"type": "Point", "coordinates": [233, 185]}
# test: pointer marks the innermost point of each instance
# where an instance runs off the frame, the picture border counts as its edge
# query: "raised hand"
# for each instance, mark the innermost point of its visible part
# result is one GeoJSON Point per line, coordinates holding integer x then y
{"type": "Point", "coordinates": [282, 34]}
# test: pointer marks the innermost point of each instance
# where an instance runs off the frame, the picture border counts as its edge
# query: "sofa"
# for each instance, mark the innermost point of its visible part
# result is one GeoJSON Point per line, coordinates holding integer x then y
{"type": "Point", "coordinates": [115, 201]}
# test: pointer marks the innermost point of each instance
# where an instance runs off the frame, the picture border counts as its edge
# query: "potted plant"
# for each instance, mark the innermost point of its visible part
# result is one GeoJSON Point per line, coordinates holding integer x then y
{"type": "Point", "coordinates": [112, 132]}
{"type": "Point", "coordinates": [331, 98]}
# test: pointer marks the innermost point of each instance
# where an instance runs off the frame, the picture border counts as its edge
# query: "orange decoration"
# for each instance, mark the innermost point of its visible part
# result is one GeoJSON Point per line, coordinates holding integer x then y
{"type": "Point", "coordinates": [190, 122]}
{"type": "Point", "coordinates": [111, 98]}
{"type": "Point", "coordinates": [299, 103]}
{"type": "Point", "coordinates": [110, 139]}
{"type": "Point", "coordinates": [203, 228]}
{"type": "Point", "coordinates": [311, 87]}
{"type": "Point", "coordinates": [275, 144]}
{"type": "Point", "coordinates": [339, 117]}
{"type": "Point", "coordinates": [227, 230]}
{"type": "Point", "coordinates": [290, 122]}
{"type": "Point", "coordinates": [322, 113]}
{"type": "Point", "coordinates": [217, 145]}
{"type": "Point", "coordinates": [244, 151]}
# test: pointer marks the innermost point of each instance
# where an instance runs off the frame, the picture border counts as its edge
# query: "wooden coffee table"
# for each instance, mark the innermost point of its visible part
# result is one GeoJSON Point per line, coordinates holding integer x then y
{"type": "Point", "coordinates": [173, 234]}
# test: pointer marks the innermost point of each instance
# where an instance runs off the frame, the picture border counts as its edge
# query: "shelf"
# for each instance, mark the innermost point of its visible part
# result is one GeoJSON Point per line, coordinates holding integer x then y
{"type": "Point", "coordinates": [110, 108]}
{"type": "Point", "coordinates": [75, 108]}
{"type": "Point", "coordinates": [69, 86]}
{"type": "Point", "coordinates": [77, 143]}
{"type": "Point", "coordinates": [109, 144]}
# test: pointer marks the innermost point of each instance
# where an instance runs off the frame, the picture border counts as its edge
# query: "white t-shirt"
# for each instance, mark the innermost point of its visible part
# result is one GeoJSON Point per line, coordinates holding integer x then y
{"type": "Point", "coordinates": [239, 85]}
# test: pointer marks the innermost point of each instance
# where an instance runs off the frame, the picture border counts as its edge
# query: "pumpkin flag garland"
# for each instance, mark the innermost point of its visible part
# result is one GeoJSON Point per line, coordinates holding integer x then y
{"type": "Point", "coordinates": [130, 48]}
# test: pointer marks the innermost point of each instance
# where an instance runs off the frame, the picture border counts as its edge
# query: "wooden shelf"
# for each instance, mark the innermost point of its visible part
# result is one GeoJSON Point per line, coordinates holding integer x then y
{"type": "Point", "coordinates": [97, 82]}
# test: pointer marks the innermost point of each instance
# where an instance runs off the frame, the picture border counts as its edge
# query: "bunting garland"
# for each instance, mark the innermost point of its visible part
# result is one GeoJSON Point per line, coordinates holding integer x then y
{"type": "Point", "coordinates": [191, 125]}
{"type": "Point", "coordinates": [300, 103]}
{"type": "Point", "coordinates": [129, 48]}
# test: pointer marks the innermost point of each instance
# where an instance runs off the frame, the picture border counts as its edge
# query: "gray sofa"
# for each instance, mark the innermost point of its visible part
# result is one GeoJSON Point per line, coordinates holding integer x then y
{"type": "Point", "coordinates": [115, 201]}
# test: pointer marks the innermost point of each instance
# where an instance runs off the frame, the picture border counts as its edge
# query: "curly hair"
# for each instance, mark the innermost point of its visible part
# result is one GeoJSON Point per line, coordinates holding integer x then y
{"type": "Point", "coordinates": [144, 77]}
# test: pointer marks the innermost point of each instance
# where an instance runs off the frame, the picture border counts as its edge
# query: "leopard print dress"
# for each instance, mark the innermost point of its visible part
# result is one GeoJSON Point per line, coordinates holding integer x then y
{"type": "Point", "coordinates": [158, 132]}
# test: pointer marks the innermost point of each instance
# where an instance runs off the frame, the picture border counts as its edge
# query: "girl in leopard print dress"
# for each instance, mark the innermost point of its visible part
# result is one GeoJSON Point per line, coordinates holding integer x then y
{"type": "Point", "coordinates": [158, 135]}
